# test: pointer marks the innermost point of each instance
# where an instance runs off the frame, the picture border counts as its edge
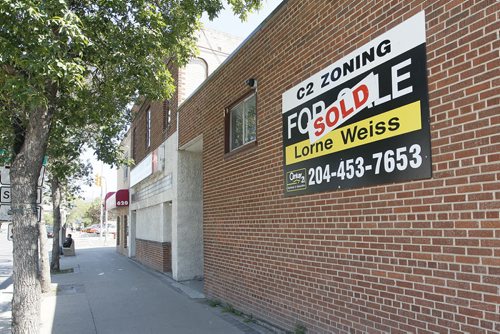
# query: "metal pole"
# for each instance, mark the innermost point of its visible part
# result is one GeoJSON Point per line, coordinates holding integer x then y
{"type": "Point", "coordinates": [101, 215]}
{"type": "Point", "coordinates": [105, 213]}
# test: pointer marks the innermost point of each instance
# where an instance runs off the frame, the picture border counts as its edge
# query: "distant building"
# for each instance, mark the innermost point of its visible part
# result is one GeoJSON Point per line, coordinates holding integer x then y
{"type": "Point", "coordinates": [119, 204]}
{"type": "Point", "coordinates": [165, 226]}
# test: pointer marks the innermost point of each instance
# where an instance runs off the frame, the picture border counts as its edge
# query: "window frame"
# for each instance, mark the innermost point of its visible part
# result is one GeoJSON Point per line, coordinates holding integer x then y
{"type": "Point", "coordinates": [167, 115]}
{"type": "Point", "coordinates": [228, 124]}
{"type": "Point", "coordinates": [134, 139]}
{"type": "Point", "coordinates": [148, 127]}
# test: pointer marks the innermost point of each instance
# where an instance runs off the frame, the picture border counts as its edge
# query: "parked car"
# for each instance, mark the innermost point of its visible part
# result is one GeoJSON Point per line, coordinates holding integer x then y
{"type": "Point", "coordinates": [50, 231]}
{"type": "Point", "coordinates": [92, 229]}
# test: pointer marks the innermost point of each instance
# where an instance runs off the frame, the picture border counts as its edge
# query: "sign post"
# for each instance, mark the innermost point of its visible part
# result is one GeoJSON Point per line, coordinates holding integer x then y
{"type": "Point", "coordinates": [5, 193]}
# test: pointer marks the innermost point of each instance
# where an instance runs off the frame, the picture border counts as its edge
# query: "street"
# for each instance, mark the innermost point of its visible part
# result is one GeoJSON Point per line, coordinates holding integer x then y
{"type": "Point", "coordinates": [5, 280]}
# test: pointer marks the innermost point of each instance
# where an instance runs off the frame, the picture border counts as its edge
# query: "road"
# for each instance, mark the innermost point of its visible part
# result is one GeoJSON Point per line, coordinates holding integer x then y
{"type": "Point", "coordinates": [5, 280]}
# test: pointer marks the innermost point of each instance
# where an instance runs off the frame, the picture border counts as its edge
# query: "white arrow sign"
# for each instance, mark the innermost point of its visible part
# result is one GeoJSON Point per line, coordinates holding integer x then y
{"type": "Point", "coordinates": [5, 176]}
{"type": "Point", "coordinates": [6, 213]}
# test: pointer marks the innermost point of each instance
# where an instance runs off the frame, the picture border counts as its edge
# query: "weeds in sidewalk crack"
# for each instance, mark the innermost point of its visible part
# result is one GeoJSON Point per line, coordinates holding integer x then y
{"type": "Point", "coordinates": [213, 302]}
{"type": "Point", "coordinates": [300, 329]}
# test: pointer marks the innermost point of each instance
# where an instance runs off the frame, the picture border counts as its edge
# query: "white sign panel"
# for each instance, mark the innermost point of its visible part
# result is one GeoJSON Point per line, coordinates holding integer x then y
{"type": "Point", "coordinates": [5, 195]}
{"type": "Point", "coordinates": [6, 213]}
{"type": "Point", "coordinates": [5, 176]}
{"type": "Point", "coordinates": [142, 170]}
{"type": "Point", "coordinates": [404, 37]}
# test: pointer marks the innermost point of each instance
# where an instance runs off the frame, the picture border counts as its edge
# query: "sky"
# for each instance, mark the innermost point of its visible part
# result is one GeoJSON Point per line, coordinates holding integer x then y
{"type": "Point", "coordinates": [231, 24]}
{"type": "Point", "coordinates": [226, 22]}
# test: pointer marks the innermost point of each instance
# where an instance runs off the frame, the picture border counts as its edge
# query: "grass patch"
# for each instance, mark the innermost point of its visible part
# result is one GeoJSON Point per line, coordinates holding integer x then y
{"type": "Point", "coordinates": [213, 302]}
{"type": "Point", "coordinates": [300, 329]}
{"type": "Point", "coordinates": [249, 319]}
{"type": "Point", "coordinates": [62, 271]}
{"type": "Point", "coordinates": [228, 308]}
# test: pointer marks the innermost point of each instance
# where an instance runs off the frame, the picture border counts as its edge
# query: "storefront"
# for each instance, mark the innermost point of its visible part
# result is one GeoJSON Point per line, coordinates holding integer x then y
{"type": "Point", "coordinates": [118, 204]}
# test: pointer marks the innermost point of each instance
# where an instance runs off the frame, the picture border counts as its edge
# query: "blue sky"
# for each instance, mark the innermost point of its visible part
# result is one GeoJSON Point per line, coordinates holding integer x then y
{"type": "Point", "coordinates": [227, 22]}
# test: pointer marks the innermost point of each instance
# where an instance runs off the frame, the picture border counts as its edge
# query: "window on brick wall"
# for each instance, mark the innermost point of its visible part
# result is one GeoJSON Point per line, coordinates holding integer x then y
{"type": "Point", "coordinates": [148, 128]}
{"type": "Point", "coordinates": [125, 169]}
{"type": "Point", "coordinates": [167, 114]}
{"type": "Point", "coordinates": [196, 71]}
{"type": "Point", "coordinates": [134, 139]}
{"type": "Point", "coordinates": [241, 123]}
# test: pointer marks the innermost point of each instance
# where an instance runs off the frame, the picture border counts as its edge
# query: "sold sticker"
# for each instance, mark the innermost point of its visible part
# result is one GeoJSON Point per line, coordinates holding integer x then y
{"type": "Point", "coordinates": [349, 103]}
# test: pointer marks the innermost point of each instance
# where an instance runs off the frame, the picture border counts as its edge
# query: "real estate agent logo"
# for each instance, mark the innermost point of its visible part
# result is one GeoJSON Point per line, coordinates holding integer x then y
{"type": "Point", "coordinates": [296, 180]}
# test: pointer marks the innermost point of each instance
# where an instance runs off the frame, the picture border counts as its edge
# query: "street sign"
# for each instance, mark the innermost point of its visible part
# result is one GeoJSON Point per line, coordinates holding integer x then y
{"type": "Point", "coordinates": [6, 213]}
{"type": "Point", "coordinates": [5, 176]}
{"type": "Point", "coordinates": [40, 177]}
{"type": "Point", "coordinates": [5, 195]}
{"type": "Point", "coordinates": [9, 232]}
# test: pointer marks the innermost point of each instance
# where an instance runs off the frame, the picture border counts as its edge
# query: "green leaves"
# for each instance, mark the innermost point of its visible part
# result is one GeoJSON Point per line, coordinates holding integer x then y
{"type": "Point", "coordinates": [85, 61]}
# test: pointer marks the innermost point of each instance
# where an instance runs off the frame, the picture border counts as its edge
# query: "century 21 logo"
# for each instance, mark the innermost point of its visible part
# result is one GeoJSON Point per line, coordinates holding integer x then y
{"type": "Point", "coordinates": [296, 180]}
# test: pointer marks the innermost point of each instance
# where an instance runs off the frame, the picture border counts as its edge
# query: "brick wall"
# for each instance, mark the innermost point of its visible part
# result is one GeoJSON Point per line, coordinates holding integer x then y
{"type": "Point", "coordinates": [156, 255]}
{"type": "Point", "coordinates": [412, 257]}
{"type": "Point", "coordinates": [158, 133]}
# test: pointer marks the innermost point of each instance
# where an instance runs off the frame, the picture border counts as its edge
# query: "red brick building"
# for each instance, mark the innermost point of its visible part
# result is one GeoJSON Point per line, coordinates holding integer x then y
{"type": "Point", "coordinates": [387, 256]}
{"type": "Point", "coordinates": [164, 228]}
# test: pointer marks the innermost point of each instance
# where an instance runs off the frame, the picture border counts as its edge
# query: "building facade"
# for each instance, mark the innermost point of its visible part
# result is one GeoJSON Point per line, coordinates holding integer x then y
{"type": "Point", "coordinates": [118, 204]}
{"type": "Point", "coordinates": [165, 227]}
{"type": "Point", "coordinates": [405, 240]}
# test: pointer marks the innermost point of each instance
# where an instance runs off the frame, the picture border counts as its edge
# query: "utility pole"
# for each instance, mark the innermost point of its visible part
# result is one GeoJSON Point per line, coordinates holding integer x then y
{"type": "Point", "coordinates": [104, 216]}
{"type": "Point", "coordinates": [101, 182]}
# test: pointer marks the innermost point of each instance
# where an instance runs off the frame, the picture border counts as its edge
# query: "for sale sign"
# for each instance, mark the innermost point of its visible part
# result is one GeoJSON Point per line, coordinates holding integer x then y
{"type": "Point", "coordinates": [363, 120]}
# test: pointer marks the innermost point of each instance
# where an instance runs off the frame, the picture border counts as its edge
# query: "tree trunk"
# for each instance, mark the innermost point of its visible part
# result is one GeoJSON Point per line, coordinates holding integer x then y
{"type": "Point", "coordinates": [30, 147]}
{"type": "Point", "coordinates": [56, 214]}
{"type": "Point", "coordinates": [44, 260]}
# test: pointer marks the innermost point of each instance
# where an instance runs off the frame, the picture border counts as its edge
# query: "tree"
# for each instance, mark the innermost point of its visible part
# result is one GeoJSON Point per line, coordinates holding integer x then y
{"type": "Point", "coordinates": [78, 210]}
{"type": "Point", "coordinates": [79, 62]}
{"type": "Point", "coordinates": [44, 275]}
{"type": "Point", "coordinates": [93, 213]}
{"type": "Point", "coordinates": [64, 169]}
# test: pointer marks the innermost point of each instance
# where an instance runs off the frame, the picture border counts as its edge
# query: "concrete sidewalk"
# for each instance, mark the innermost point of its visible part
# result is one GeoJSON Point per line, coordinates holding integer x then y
{"type": "Point", "coordinates": [109, 293]}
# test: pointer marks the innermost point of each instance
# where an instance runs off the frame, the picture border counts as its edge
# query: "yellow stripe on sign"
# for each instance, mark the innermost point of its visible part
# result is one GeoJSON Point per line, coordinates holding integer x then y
{"type": "Point", "coordinates": [389, 124]}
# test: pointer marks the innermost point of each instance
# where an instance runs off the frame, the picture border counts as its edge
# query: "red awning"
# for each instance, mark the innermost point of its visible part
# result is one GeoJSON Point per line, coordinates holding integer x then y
{"type": "Point", "coordinates": [118, 199]}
